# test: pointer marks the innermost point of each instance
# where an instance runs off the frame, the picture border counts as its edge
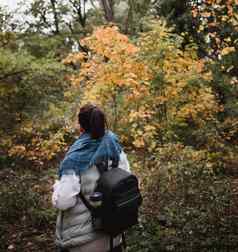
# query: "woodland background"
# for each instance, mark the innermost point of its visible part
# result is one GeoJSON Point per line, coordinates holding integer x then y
{"type": "Point", "coordinates": [166, 74]}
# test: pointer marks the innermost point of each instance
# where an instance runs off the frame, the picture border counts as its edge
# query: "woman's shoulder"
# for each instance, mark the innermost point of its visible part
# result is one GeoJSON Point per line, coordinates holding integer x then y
{"type": "Point", "coordinates": [68, 162]}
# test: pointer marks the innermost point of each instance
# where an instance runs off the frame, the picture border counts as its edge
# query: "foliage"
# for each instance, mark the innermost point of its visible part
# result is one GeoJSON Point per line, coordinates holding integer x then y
{"type": "Point", "coordinates": [186, 201]}
{"type": "Point", "coordinates": [32, 100]}
{"type": "Point", "coordinates": [217, 26]}
{"type": "Point", "coordinates": [175, 111]}
{"type": "Point", "coordinates": [25, 210]}
{"type": "Point", "coordinates": [182, 96]}
{"type": "Point", "coordinates": [177, 13]}
{"type": "Point", "coordinates": [55, 16]}
{"type": "Point", "coordinates": [20, 203]}
{"type": "Point", "coordinates": [5, 19]}
{"type": "Point", "coordinates": [108, 76]}
{"type": "Point", "coordinates": [162, 88]}
{"type": "Point", "coordinates": [74, 19]}
{"type": "Point", "coordinates": [169, 112]}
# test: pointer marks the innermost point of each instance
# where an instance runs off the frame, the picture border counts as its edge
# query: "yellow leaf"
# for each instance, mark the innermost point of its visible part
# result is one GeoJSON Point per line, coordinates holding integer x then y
{"type": "Point", "coordinates": [227, 50]}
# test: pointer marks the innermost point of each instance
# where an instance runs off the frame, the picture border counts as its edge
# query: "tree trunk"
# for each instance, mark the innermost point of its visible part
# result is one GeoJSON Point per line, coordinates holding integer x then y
{"type": "Point", "coordinates": [79, 8]}
{"type": "Point", "coordinates": [108, 6]}
{"type": "Point", "coordinates": [56, 17]}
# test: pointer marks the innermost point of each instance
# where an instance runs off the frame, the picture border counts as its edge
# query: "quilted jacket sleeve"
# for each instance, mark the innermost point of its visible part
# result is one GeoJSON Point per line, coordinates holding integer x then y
{"type": "Point", "coordinates": [66, 189]}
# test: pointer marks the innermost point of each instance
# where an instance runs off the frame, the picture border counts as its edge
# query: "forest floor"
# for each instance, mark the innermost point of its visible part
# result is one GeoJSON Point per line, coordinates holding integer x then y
{"type": "Point", "coordinates": [27, 219]}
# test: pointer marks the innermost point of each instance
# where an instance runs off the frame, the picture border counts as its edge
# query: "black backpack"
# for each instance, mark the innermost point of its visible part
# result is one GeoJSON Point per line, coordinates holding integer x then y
{"type": "Point", "coordinates": [121, 199]}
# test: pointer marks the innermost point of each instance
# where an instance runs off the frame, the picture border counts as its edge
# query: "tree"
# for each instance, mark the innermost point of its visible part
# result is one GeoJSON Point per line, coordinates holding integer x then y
{"type": "Point", "coordinates": [218, 30]}
{"type": "Point", "coordinates": [127, 14]}
{"type": "Point", "coordinates": [32, 85]}
{"type": "Point", "coordinates": [79, 11]}
{"type": "Point", "coordinates": [47, 15]}
{"type": "Point", "coordinates": [57, 16]}
{"type": "Point", "coordinates": [6, 23]}
{"type": "Point", "coordinates": [108, 8]}
{"type": "Point", "coordinates": [177, 13]}
{"type": "Point", "coordinates": [164, 91]}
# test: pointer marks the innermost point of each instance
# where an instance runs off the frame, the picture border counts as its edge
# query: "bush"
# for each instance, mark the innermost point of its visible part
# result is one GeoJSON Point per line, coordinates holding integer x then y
{"type": "Point", "coordinates": [193, 200]}
{"type": "Point", "coordinates": [26, 216]}
{"type": "Point", "coordinates": [22, 201]}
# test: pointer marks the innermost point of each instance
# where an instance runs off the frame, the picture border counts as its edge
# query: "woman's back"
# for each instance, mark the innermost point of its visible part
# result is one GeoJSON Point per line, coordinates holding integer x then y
{"type": "Point", "coordinates": [79, 173]}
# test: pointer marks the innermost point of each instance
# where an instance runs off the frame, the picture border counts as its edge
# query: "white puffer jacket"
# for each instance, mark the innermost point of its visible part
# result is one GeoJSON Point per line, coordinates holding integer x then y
{"type": "Point", "coordinates": [74, 226]}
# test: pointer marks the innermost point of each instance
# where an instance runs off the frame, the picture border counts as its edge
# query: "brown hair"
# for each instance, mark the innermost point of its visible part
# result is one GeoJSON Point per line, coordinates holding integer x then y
{"type": "Point", "coordinates": [92, 120]}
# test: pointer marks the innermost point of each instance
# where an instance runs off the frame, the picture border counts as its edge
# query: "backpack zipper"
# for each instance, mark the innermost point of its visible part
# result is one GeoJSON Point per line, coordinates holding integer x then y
{"type": "Point", "coordinates": [126, 202]}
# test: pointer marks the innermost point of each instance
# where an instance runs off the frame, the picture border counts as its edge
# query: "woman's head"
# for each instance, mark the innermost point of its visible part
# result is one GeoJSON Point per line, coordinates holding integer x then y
{"type": "Point", "coordinates": [92, 120]}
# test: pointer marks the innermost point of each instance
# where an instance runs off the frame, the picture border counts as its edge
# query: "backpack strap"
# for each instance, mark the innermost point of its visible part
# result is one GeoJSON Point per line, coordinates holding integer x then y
{"type": "Point", "coordinates": [86, 203]}
{"type": "Point", "coordinates": [89, 207]}
{"type": "Point", "coordinates": [123, 236]}
{"type": "Point", "coordinates": [102, 167]}
{"type": "Point", "coordinates": [123, 241]}
{"type": "Point", "coordinates": [111, 243]}
{"type": "Point", "coordinates": [84, 200]}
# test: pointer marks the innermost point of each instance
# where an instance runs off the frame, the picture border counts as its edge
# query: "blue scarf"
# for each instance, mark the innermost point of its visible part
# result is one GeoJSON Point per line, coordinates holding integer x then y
{"type": "Point", "coordinates": [86, 152]}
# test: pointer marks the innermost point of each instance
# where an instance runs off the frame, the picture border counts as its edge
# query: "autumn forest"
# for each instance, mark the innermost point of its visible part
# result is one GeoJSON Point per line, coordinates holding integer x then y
{"type": "Point", "coordinates": [165, 72]}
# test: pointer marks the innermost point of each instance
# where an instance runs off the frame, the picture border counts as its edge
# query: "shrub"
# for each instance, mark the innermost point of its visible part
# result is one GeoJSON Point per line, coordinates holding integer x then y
{"type": "Point", "coordinates": [22, 201]}
{"type": "Point", "coordinates": [195, 202]}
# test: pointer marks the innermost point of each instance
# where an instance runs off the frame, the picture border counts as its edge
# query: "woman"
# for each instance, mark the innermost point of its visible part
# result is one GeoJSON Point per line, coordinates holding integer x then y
{"type": "Point", "coordinates": [79, 173]}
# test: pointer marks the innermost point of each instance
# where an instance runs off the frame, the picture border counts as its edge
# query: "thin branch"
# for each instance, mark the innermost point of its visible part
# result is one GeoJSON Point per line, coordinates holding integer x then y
{"type": "Point", "coordinates": [93, 4]}
{"type": "Point", "coordinates": [55, 14]}
{"type": "Point", "coordinates": [77, 9]}
{"type": "Point", "coordinates": [7, 75]}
